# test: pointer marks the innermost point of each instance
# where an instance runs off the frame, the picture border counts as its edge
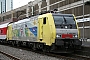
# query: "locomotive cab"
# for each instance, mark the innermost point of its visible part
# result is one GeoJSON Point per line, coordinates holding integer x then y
{"type": "Point", "coordinates": [67, 33]}
{"type": "Point", "coordinates": [59, 31]}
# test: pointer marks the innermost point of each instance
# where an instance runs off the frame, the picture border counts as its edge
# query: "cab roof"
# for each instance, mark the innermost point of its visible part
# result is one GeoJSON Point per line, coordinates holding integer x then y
{"type": "Point", "coordinates": [62, 14]}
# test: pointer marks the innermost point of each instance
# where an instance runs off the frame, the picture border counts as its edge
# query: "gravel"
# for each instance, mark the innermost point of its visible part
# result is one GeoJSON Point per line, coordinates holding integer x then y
{"type": "Point", "coordinates": [25, 55]}
{"type": "Point", "coordinates": [4, 57]}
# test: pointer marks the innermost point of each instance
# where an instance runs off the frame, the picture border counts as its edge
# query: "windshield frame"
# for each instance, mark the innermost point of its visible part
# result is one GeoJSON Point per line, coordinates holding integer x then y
{"type": "Point", "coordinates": [64, 19]}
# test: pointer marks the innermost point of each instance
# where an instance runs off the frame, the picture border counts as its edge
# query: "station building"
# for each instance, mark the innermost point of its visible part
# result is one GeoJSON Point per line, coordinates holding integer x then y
{"type": "Point", "coordinates": [75, 7]}
{"type": "Point", "coordinates": [6, 5]}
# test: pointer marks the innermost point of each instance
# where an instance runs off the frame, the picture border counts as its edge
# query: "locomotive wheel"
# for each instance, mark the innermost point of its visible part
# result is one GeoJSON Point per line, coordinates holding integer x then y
{"type": "Point", "coordinates": [13, 43]}
{"type": "Point", "coordinates": [34, 47]}
{"type": "Point", "coordinates": [46, 49]}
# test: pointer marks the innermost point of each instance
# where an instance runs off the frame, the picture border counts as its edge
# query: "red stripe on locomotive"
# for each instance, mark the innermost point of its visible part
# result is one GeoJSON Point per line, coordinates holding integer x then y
{"type": "Point", "coordinates": [3, 31]}
{"type": "Point", "coordinates": [67, 36]}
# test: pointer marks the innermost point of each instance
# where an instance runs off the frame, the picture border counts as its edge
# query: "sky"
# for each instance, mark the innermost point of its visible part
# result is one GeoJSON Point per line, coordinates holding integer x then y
{"type": "Point", "coordinates": [19, 3]}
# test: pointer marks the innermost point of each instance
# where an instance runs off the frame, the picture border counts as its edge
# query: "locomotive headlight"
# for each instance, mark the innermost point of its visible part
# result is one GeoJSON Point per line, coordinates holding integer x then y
{"type": "Point", "coordinates": [57, 36]}
{"type": "Point", "coordinates": [75, 36]}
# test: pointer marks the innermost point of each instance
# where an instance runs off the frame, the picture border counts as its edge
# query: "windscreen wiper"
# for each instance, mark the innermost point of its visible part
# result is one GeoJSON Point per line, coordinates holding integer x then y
{"type": "Point", "coordinates": [65, 19]}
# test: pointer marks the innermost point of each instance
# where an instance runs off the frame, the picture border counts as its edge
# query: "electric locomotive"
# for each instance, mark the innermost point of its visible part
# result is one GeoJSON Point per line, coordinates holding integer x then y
{"type": "Point", "coordinates": [50, 32]}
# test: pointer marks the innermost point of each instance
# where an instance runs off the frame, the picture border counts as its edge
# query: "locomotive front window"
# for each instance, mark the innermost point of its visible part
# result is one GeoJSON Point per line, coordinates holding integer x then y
{"type": "Point", "coordinates": [69, 20]}
{"type": "Point", "coordinates": [58, 19]}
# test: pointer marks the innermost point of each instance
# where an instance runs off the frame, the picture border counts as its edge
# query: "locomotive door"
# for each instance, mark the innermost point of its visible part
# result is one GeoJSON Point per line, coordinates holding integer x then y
{"type": "Point", "coordinates": [40, 27]}
{"type": "Point", "coordinates": [44, 30]}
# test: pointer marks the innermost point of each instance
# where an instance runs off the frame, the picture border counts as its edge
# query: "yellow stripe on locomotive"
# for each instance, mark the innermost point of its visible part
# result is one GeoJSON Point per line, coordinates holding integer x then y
{"type": "Point", "coordinates": [9, 32]}
{"type": "Point", "coordinates": [77, 27]}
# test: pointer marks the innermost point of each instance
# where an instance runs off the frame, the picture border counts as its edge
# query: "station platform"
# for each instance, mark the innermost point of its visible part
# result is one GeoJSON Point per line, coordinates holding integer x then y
{"type": "Point", "coordinates": [86, 42]}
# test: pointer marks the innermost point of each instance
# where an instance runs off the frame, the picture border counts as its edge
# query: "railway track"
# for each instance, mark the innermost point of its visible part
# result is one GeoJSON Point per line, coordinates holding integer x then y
{"type": "Point", "coordinates": [60, 56]}
{"type": "Point", "coordinates": [65, 56]}
{"type": "Point", "coordinates": [39, 52]}
{"type": "Point", "coordinates": [69, 56]}
{"type": "Point", "coordinates": [10, 56]}
{"type": "Point", "coordinates": [48, 54]}
{"type": "Point", "coordinates": [82, 57]}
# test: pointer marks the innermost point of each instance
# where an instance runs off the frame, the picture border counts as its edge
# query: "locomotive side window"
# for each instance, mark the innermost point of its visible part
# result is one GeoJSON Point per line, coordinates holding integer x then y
{"type": "Point", "coordinates": [44, 20]}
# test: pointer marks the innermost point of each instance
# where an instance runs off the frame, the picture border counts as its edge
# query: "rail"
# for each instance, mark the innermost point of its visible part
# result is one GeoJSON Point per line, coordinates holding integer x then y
{"type": "Point", "coordinates": [10, 56]}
